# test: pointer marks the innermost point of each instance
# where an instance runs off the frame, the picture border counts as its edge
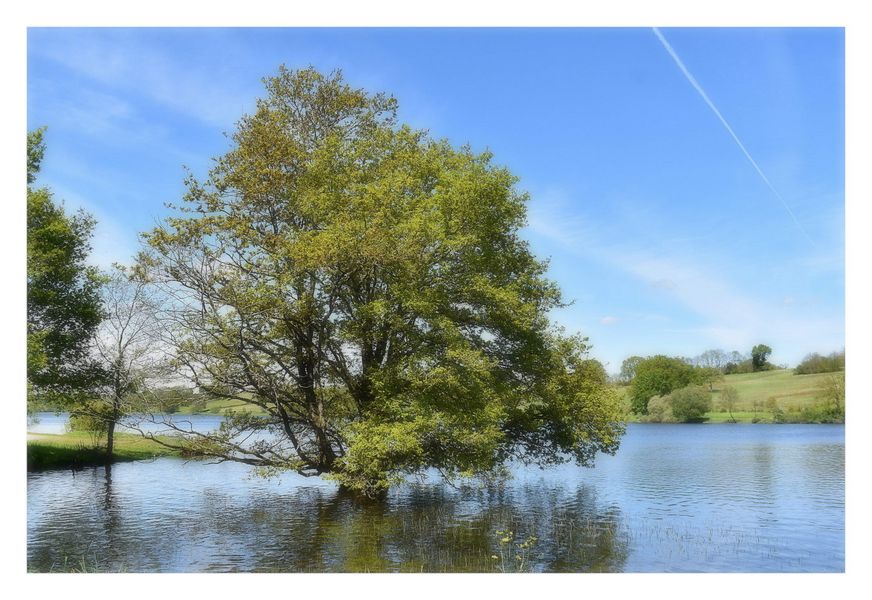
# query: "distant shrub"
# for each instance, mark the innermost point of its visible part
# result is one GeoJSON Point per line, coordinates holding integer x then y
{"type": "Point", "coordinates": [91, 417]}
{"type": "Point", "coordinates": [733, 368]}
{"type": "Point", "coordinates": [777, 412]}
{"type": "Point", "coordinates": [831, 405]}
{"type": "Point", "coordinates": [823, 412]}
{"type": "Point", "coordinates": [816, 363]}
{"type": "Point", "coordinates": [660, 410]}
{"type": "Point", "coordinates": [167, 400]}
{"type": "Point", "coordinates": [690, 403]}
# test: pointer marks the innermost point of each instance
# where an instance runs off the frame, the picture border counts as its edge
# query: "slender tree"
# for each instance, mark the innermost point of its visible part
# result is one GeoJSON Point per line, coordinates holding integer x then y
{"type": "Point", "coordinates": [126, 346]}
{"type": "Point", "coordinates": [368, 288]}
{"type": "Point", "coordinates": [729, 399]}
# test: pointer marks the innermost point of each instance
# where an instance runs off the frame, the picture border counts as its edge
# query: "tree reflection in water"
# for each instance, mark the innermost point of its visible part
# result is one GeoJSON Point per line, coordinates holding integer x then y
{"type": "Point", "coordinates": [430, 528]}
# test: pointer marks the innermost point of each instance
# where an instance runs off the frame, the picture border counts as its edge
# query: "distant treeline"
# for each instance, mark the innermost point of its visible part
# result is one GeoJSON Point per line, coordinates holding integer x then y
{"type": "Point", "coordinates": [817, 363]}
{"type": "Point", "coordinates": [664, 388]}
{"type": "Point", "coordinates": [730, 363]}
{"type": "Point", "coordinates": [707, 363]}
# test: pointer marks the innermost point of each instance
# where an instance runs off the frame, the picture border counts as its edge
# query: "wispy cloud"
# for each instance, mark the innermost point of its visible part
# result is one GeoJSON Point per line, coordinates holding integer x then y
{"type": "Point", "coordinates": [690, 78]}
{"type": "Point", "coordinates": [732, 316]}
{"type": "Point", "coordinates": [609, 320]}
{"type": "Point", "coordinates": [120, 61]}
{"type": "Point", "coordinates": [112, 242]}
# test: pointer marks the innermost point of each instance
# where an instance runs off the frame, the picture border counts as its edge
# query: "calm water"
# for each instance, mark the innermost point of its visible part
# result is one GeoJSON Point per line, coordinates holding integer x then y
{"type": "Point", "coordinates": [674, 498]}
{"type": "Point", "coordinates": [56, 423]}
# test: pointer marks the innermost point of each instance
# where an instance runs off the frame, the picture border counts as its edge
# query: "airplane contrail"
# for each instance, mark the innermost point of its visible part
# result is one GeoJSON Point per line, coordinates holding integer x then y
{"type": "Point", "coordinates": [726, 125]}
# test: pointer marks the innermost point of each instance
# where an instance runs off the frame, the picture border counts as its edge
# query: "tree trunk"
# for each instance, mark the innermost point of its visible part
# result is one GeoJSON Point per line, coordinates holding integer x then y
{"type": "Point", "coordinates": [110, 428]}
{"type": "Point", "coordinates": [110, 440]}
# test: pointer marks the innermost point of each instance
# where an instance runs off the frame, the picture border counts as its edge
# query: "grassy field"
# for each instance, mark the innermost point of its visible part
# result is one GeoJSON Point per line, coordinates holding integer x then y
{"type": "Point", "coordinates": [76, 450]}
{"type": "Point", "coordinates": [789, 390]}
{"type": "Point", "coordinates": [217, 407]}
{"type": "Point", "coordinates": [792, 394]}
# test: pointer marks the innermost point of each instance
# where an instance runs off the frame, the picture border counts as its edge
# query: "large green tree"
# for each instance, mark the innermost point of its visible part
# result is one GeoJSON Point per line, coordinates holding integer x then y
{"type": "Point", "coordinates": [367, 287]}
{"type": "Point", "coordinates": [63, 304]}
{"type": "Point", "coordinates": [658, 376]}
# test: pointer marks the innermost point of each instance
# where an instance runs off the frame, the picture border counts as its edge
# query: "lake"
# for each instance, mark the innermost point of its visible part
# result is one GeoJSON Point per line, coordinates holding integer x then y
{"type": "Point", "coordinates": [675, 498]}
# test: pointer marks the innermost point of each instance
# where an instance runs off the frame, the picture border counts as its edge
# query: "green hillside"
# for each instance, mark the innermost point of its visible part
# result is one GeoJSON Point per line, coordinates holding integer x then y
{"type": "Point", "coordinates": [791, 393]}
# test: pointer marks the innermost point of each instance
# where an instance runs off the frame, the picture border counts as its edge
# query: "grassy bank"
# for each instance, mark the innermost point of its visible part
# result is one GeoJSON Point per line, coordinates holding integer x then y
{"type": "Point", "coordinates": [794, 395]}
{"type": "Point", "coordinates": [76, 450]}
{"type": "Point", "coordinates": [217, 407]}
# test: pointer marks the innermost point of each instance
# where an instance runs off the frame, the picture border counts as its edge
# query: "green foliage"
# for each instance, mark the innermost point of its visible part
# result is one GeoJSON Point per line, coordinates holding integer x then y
{"type": "Point", "coordinates": [35, 152]}
{"type": "Point", "coordinates": [368, 288]}
{"type": "Point", "coordinates": [628, 369]}
{"type": "Point", "coordinates": [736, 368]}
{"type": "Point", "coordinates": [831, 406]}
{"type": "Point", "coordinates": [513, 556]}
{"type": "Point", "coordinates": [815, 363]}
{"type": "Point", "coordinates": [593, 370]}
{"type": "Point", "coordinates": [92, 417]}
{"type": "Point", "coordinates": [729, 400]}
{"type": "Point", "coordinates": [775, 410]}
{"type": "Point", "coordinates": [759, 353]}
{"type": "Point", "coordinates": [660, 410]}
{"type": "Point", "coordinates": [658, 376]}
{"type": "Point", "coordinates": [708, 376]}
{"type": "Point", "coordinates": [63, 305]}
{"type": "Point", "coordinates": [822, 412]}
{"type": "Point", "coordinates": [690, 403]}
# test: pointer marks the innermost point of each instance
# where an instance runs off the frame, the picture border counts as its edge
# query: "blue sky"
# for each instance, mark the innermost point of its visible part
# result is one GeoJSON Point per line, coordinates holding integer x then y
{"type": "Point", "coordinates": [655, 222]}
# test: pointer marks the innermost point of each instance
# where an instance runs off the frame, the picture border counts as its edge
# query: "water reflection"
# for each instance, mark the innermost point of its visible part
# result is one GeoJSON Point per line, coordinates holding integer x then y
{"type": "Point", "coordinates": [709, 499]}
{"type": "Point", "coordinates": [425, 528]}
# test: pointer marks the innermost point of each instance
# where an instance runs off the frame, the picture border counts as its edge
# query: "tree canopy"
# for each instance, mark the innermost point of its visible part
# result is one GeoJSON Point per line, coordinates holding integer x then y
{"type": "Point", "coordinates": [366, 286]}
{"type": "Point", "coordinates": [63, 304]}
{"type": "Point", "coordinates": [628, 369]}
{"type": "Point", "coordinates": [759, 354]}
{"type": "Point", "coordinates": [658, 376]}
{"type": "Point", "coordinates": [690, 403]}
{"type": "Point", "coordinates": [816, 363]}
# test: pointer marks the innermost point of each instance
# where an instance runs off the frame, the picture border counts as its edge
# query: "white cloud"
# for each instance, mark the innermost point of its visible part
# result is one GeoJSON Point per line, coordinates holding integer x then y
{"type": "Point", "coordinates": [120, 61]}
{"type": "Point", "coordinates": [111, 242]}
{"type": "Point", "coordinates": [609, 320]}
{"type": "Point", "coordinates": [734, 317]}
